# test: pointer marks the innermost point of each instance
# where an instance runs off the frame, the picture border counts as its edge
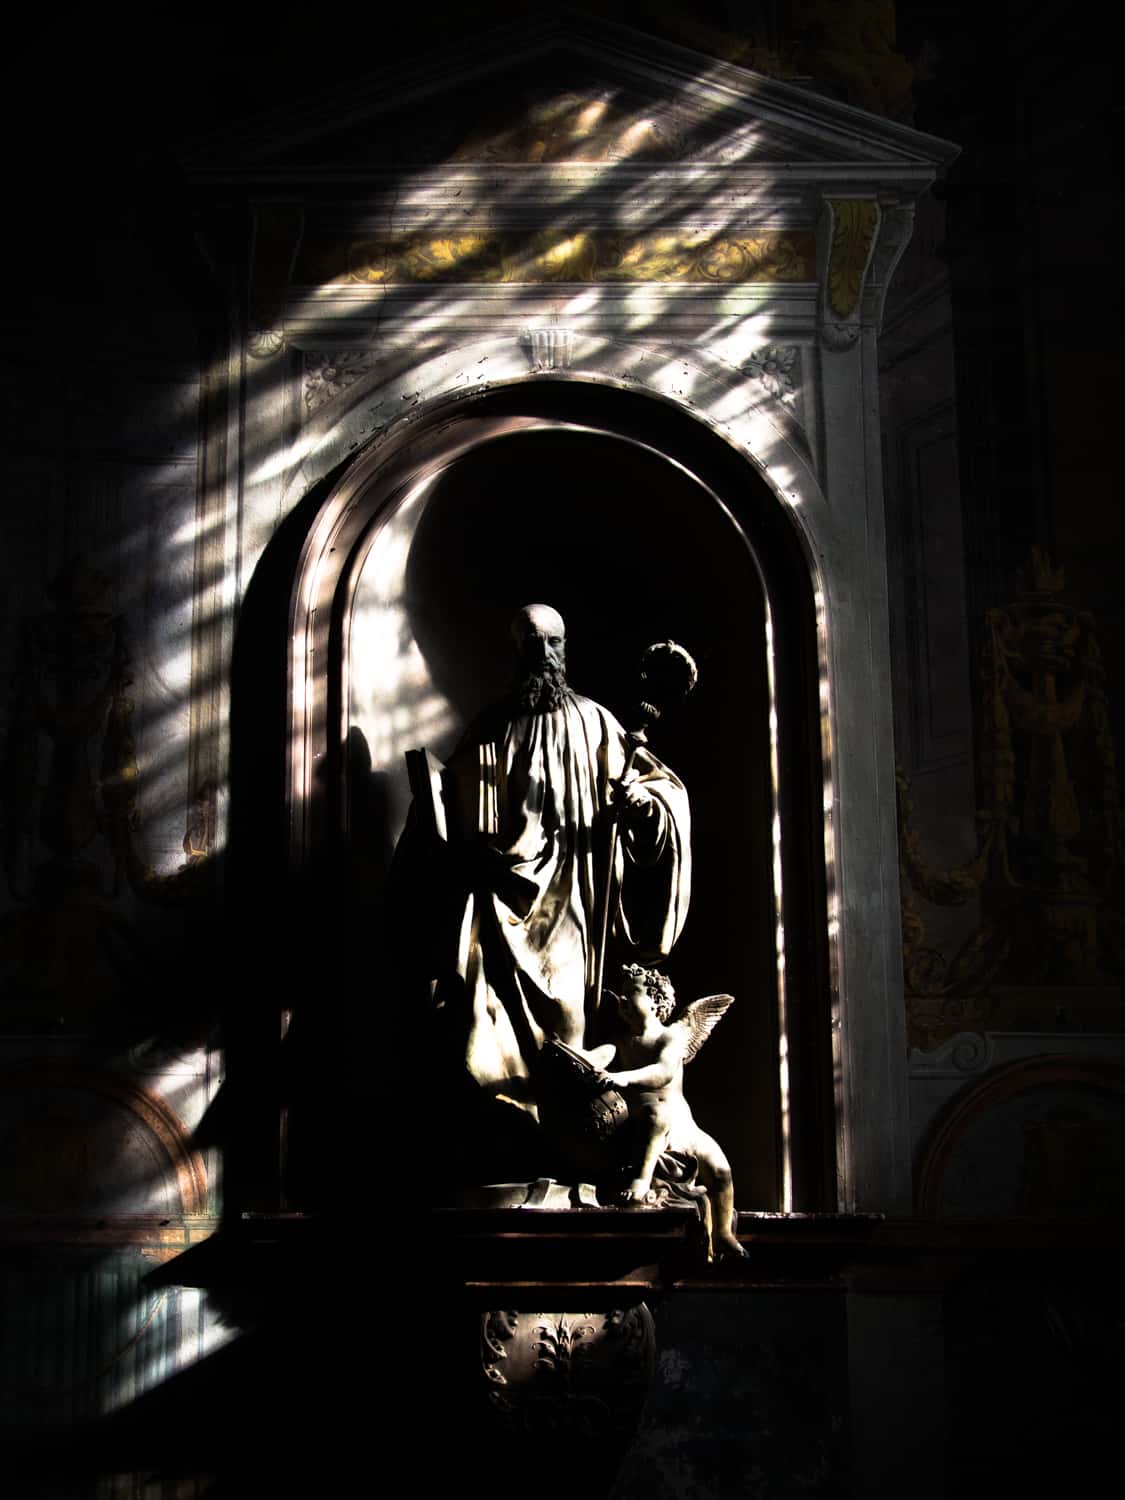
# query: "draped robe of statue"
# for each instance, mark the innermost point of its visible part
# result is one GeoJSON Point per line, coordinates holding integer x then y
{"type": "Point", "coordinates": [527, 796]}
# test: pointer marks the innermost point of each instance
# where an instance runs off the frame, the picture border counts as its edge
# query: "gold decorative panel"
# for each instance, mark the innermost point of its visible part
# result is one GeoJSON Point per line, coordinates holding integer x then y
{"type": "Point", "coordinates": [583, 256]}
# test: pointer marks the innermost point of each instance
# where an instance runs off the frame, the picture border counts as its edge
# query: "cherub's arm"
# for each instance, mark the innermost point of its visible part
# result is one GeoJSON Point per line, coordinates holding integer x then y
{"type": "Point", "coordinates": [599, 1057]}
{"type": "Point", "coordinates": [657, 1074]}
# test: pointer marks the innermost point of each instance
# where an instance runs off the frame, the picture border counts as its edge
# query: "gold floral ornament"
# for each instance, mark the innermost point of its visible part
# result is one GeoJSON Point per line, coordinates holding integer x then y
{"type": "Point", "coordinates": [658, 258]}
{"type": "Point", "coordinates": [466, 257]}
{"type": "Point", "coordinates": [583, 256]}
{"type": "Point", "coordinates": [548, 258]}
{"type": "Point", "coordinates": [368, 260]}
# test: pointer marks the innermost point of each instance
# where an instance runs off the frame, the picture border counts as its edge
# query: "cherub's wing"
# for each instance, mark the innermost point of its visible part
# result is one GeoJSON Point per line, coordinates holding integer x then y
{"type": "Point", "coordinates": [700, 1018]}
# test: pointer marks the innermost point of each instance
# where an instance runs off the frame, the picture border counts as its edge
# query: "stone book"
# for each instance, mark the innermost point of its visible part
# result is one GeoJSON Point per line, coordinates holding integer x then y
{"type": "Point", "coordinates": [426, 772]}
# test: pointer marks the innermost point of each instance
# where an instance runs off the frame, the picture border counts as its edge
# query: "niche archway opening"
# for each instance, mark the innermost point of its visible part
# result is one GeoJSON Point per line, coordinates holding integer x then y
{"type": "Point", "coordinates": [639, 523]}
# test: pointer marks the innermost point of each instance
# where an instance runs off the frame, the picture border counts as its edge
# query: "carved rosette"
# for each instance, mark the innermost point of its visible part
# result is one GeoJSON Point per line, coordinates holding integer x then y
{"type": "Point", "coordinates": [328, 373]}
{"type": "Point", "coordinates": [777, 368]}
{"type": "Point", "coordinates": [585, 1373]}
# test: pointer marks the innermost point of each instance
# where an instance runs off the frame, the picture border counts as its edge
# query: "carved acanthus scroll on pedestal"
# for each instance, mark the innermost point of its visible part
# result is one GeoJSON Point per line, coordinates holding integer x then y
{"type": "Point", "coordinates": [569, 1374]}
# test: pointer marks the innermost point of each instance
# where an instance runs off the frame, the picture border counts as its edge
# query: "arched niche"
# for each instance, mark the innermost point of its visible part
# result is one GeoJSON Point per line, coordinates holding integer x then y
{"type": "Point", "coordinates": [89, 1142]}
{"type": "Point", "coordinates": [1042, 1137]}
{"type": "Point", "coordinates": [638, 522]}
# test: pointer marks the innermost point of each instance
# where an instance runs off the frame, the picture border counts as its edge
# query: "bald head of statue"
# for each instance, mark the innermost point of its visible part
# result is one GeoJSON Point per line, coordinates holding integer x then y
{"type": "Point", "coordinates": [539, 636]}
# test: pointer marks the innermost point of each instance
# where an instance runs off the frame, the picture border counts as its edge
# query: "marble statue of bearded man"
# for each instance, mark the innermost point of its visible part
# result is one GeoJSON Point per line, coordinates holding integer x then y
{"type": "Point", "coordinates": [528, 794]}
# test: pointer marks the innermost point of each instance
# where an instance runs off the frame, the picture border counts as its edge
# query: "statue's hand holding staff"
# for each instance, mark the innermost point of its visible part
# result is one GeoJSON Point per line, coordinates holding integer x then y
{"type": "Point", "coordinates": [667, 673]}
{"type": "Point", "coordinates": [635, 805]}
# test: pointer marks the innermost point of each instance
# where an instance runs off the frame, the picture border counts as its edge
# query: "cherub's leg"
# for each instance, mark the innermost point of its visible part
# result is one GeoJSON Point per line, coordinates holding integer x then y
{"type": "Point", "coordinates": [724, 1214]}
{"type": "Point", "coordinates": [708, 1225]}
{"type": "Point", "coordinates": [641, 1185]}
{"type": "Point", "coordinates": [714, 1171]}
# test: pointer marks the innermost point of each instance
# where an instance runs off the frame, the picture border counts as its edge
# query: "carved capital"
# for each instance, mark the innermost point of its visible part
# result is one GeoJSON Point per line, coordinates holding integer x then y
{"type": "Point", "coordinates": [264, 343]}
{"type": "Point", "coordinates": [839, 336]}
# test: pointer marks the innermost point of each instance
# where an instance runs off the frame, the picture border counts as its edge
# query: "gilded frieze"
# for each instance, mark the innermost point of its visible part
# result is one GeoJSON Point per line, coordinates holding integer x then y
{"type": "Point", "coordinates": [598, 256]}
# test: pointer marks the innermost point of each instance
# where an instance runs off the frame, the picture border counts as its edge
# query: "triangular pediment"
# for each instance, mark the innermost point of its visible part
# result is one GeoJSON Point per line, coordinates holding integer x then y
{"type": "Point", "coordinates": [569, 90]}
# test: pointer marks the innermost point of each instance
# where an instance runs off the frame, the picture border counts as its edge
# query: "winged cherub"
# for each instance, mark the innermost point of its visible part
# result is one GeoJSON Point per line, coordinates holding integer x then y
{"type": "Point", "coordinates": [648, 1066]}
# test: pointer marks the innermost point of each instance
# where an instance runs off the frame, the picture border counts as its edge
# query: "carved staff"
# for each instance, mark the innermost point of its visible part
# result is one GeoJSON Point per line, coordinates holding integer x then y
{"type": "Point", "coordinates": [667, 674]}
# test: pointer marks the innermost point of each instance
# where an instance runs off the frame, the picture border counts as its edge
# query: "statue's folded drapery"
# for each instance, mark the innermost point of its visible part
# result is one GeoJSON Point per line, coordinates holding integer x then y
{"type": "Point", "coordinates": [527, 799]}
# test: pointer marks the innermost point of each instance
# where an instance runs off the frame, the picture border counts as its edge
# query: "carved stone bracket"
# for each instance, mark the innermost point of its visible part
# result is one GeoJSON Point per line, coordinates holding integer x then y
{"type": "Point", "coordinates": [896, 225]}
{"type": "Point", "coordinates": [848, 229]}
{"type": "Point", "coordinates": [548, 348]}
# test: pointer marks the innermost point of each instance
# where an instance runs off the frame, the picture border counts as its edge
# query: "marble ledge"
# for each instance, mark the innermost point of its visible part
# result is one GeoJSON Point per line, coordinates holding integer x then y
{"type": "Point", "coordinates": [569, 1256]}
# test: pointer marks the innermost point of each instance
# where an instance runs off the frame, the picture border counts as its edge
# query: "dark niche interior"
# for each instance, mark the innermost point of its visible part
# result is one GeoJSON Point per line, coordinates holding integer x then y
{"type": "Point", "coordinates": [632, 550]}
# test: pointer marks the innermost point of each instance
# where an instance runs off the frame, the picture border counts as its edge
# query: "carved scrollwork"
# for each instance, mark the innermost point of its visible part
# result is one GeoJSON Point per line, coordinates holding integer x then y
{"type": "Point", "coordinates": [582, 1372]}
{"type": "Point", "coordinates": [497, 1330]}
{"type": "Point", "coordinates": [969, 1053]}
{"type": "Point", "coordinates": [963, 1053]}
{"type": "Point", "coordinates": [586, 256]}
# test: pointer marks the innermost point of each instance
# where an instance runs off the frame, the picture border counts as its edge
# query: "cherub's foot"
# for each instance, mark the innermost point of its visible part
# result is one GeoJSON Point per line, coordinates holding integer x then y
{"type": "Point", "coordinates": [726, 1245]}
{"type": "Point", "coordinates": [638, 1191]}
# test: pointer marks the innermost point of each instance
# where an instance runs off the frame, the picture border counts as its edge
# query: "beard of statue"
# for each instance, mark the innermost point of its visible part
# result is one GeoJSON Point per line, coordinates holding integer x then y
{"type": "Point", "coordinates": [543, 688]}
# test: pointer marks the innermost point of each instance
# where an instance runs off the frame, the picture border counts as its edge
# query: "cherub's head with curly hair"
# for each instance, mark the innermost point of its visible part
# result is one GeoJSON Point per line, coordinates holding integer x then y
{"type": "Point", "coordinates": [656, 985]}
